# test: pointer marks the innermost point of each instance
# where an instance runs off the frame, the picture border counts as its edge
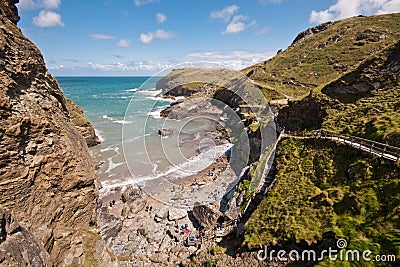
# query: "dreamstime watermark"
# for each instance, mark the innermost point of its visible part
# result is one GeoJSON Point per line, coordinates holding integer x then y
{"type": "Point", "coordinates": [334, 254]}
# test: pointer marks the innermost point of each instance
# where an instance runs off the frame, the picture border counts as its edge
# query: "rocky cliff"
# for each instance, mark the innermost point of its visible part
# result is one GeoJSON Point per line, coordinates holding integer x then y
{"type": "Point", "coordinates": [47, 179]}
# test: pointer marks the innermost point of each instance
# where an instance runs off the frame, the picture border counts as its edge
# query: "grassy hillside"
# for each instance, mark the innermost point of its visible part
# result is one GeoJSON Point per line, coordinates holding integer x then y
{"type": "Point", "coordinates": [364, 102]}
{"type": "Point", "coordinates": [323, 187]}
{"type": "Point", "coordinates": [345, 77]}
{"type": "Point", "coordinates": [321, 55]}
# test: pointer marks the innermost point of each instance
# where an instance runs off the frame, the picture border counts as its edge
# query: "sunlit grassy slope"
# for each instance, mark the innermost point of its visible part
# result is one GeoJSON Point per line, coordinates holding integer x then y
{"type": "Point", "coordinates": [324, 187]}
{"type": "Point", "coordinates": [344, 77]}
{"type": "Point", "coordinates": [318, 59]}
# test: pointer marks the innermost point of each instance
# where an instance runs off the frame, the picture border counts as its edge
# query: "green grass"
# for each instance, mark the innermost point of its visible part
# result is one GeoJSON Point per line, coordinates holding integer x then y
{"type": "Point", "coordinates": [352, 104]}
{"type": "Point", "coordinates": [89, 240]}
{"type": "Point", "coordinates": [323, 187]}
{"type": "Point", "coordinates": [311, 68]}
{"type": "Point", "coordinates": [375, 117]}
{"type": "Point", "coordinates": [76, 114]}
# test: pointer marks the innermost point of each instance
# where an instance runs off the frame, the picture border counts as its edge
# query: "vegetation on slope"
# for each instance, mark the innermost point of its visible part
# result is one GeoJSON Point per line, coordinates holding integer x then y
{"type": "Point", "coordinates": [323, 187]}
{"type": "Point", "coordinates": [318, 57]}
{"type": "Point", "coordinates": [364, 102]}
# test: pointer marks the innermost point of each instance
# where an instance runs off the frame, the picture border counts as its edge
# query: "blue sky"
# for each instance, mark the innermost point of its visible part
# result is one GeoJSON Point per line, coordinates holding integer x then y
{"type": "Point", "coordinates": [142, 37]}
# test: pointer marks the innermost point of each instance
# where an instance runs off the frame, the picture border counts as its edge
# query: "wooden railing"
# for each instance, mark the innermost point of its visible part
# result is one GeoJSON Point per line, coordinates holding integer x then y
{"type": "Point", "coordinates": [261, 180]}
{"type": "Point", "coordinates": [379, 149]}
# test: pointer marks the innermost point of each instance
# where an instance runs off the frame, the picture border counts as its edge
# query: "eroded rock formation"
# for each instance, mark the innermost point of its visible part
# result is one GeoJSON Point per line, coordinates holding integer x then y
{"type": "Point", "coordinates": [47, 179]}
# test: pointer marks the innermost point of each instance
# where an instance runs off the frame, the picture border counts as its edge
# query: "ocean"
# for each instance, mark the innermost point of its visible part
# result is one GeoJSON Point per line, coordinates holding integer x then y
{"type": "Point", "coordinates": [125, 112]}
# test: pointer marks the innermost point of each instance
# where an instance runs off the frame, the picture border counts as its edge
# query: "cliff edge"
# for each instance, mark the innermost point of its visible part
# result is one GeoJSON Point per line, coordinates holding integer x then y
{"type": "Point", "coordinates": [48, 183]}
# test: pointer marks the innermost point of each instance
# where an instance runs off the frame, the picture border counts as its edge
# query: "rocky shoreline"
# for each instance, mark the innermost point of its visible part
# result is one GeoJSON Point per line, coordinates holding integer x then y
{"type": "Point", "coordinates": [153, 227]}
{"type": "Point", "coordinates": [149, 231]}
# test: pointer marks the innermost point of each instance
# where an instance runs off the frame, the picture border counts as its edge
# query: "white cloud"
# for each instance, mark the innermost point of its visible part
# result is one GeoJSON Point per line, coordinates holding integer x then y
{"type": "Point", "coordinates": [101, 36]}
{"type": "Point", "coordinates": [45, 4]}
{"type": "Point", "coordinates": [143, 2]}
{"type": "Point", "coordinates": [147, 38]}
{"type": "Point", "coordinates": [224, 14]}
{"type": "Point", "coordinates": [26, 5]}
{"type": "Point", "coordinates": [51, 4]}
{"type": "Point", "coordinates": [237, 25]}
{"type": "Point", "coordinates": [262, 31]}
{"type": "Point", "coordinates": [129, 67]}
{"type": "Point", "coordinates": [263, 2]}
{"type": "Point", "coordinates": [48, 18]}
{"type": "Point", "coordinates": [160, 17]}
{"type": "Point", "coordinates": [124, 43]}
{"type": "Point", "coordinates": [345, 9]}
{"type": "Point", "coordinates": [390, 7]}
{"type": "Point", "coordinates": [163, 34]}
{"type": "Point", "coordinates": [58, 67]}
{"type": "Point", "coordinates": [234, 60]}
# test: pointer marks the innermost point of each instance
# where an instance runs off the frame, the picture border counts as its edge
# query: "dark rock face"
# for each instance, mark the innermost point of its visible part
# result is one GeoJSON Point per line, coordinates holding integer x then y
{"type": "Point", "coordinates": [305, 114]}
{"type": "Point", "coordinates": [17, 246]}
{"type": "Point", "coordinates": [9, 10]}
{"type": "Point", "coordinates": [206, 215]}
{"type": "Point", "coordinates": [310, 32]}
{"type": "Point", "coordinates": [378, 73]}
{"type": "Point", "coordinates": [47, 179]}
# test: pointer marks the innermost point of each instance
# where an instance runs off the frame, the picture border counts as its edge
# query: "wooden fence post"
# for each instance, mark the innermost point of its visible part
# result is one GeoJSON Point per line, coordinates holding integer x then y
{"type": "Point", "coordinates": [383, 151]}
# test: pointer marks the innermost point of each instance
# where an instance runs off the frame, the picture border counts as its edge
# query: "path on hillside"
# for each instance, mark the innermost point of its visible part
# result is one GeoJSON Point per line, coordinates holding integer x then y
{"type": "Point", "coordinates": [385, 151]}
{"type": "Point", "coordinates": [268, 178]}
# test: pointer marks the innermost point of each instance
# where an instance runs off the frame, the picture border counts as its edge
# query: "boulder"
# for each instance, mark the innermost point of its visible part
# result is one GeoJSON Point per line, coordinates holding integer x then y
{"type": "Point", "coordinates": [130, 210]}
{"type": "Point", "coordinates": [206, 215]}
{"type": "Point", "coordinates": [162, 214]}
{"type": "Point", "coordinates": [18, 247]}
{"type": "Point", "coordinates": [110, 224]}
{"type": "Point", "coordinates": [164, 132]}
{"type": "Point", "coordinates": [131, 194]}
{"type": "Point", "coordinates": [143, 230]}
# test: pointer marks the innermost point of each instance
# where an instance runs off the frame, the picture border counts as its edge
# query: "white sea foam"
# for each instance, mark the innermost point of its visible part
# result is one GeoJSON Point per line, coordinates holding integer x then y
{"type": "Point", "coordinates": [112, 165]}
{"type": "Point", "coordinates": [110, 148]}
{"type": "Point", "coordinates": [122, 121]}
{"type": "Point", "coordinates": [188, 168]}
{"type": "Point", "coordinates": [156, 114]}
{"type": "Point", "coordinates": [117, 121]}
{"type": "Point", "coordinates": [153, 92]}
{"type": "Point", "coordinates": [135, 138]}
{"type": "Point", "coordinates": [131, 90]}
{"type": "Point", "coordinates": [98, 134]}
{"type": "Point", "coordinates": [160, 98]}
{"type": "Point", "coordinates": [106, 117]}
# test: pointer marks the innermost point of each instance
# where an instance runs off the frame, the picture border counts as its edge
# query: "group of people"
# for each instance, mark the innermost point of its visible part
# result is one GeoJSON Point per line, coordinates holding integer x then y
{"type": "Point", "coordinates": [149, 208]}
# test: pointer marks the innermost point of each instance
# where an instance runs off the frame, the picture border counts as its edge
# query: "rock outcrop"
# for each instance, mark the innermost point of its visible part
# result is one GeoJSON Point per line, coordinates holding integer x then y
{"type": "Point", "coordinates": [17, 246]}
{"type": "Point", "coordinates": [206, 215]}
{"type": "Point", "coordinates": [310, 32]}
{"type": "Point", "coordinates": [83, 126]}
{"type": "Point", "coordinates": [47, 179]}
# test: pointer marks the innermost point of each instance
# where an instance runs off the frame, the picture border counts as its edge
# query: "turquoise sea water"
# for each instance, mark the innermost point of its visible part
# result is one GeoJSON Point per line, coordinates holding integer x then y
{"type": "Point", "coordinates": [125, 114]}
